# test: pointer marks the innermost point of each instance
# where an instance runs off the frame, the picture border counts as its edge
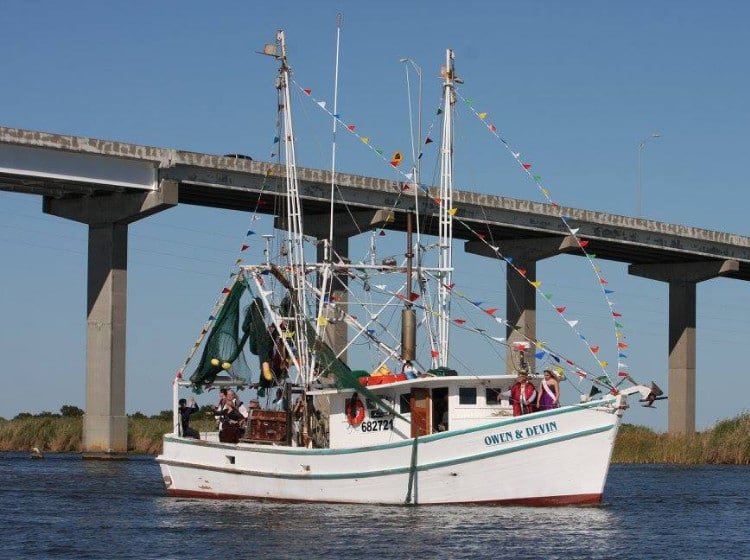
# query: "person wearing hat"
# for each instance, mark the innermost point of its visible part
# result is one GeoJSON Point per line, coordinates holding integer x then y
{"type": "Point", "coordinates": [523, 395]}
{"type": "Point", "coordinates": [549, 391]}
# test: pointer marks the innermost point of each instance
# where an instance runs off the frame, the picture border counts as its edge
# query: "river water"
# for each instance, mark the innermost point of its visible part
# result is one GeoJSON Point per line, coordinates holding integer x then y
{"type": "Point", "coordinates": [63, 507]}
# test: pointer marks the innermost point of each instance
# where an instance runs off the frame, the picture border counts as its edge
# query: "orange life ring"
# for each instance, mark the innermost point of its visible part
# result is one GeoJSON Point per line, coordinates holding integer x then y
{"type": "Point", "coordinates": [355, 420]}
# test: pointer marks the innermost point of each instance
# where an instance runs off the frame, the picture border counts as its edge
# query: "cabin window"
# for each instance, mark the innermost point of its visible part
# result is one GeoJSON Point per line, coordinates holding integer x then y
{"type": "Point", "coordinates": [405, 403]}
{"type": "Point", "coordinates": [494, 395]}
{"type": "Point", "coordinates": [467, 395]}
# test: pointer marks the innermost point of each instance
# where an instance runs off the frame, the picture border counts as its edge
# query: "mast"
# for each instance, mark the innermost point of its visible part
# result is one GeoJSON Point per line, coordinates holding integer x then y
{"type": "Point", "coordinates": [446, 215]}
{"type": "Point", "coordinates": [296, 253]}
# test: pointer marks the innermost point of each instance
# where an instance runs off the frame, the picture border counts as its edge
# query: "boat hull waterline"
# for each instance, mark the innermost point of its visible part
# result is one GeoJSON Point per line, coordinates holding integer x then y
{"type": "Point", "coordinates": [558, 457]}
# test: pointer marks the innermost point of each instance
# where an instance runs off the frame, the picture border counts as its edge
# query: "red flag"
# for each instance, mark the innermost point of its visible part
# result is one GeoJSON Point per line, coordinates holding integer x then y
{"type": "Point", "coordinates": [570, 362]}
{"type": "Point", "coordinates": [244, 247]}
{"type": "Point", "coordinates": [615, 314]}
{"type": "Point", "coordinates": [459, 321]}
{"type": "Point", "coordinates": [450, 286]}
{"type": "Point", "coordinates": [307, 91]}
{"type": "Point", "coordinates": [414, 296]}
{"type": "Point", "coordinates": [622, 345]}
{"type": "Point", "coordinates": [560, 309]}
{"type": "Point", "coordinates": [438, 199]}
{"type": "Point", "coordinates": [351, 127]}
{"type": "Point", "coordinates": [622, 373]}
{"type": "Point", "coordinates": [526, 166]}
{"type": "Point", "coordinates": [434, 353]}
{"type": "Point", "coordinates": [490, 310]}
{"type": "Point", "coordinates": [583, 242]}
{"type": "Point", "coordinates": [493, 128]}
{"type": "Point", "coordinates": [522, 272]}
{"type": "Point", "coordinates": [603, 282]}
{"type": "Point", "coordinates": [225, 291]}
{"type": "Point", "coordinates": [595, 349]}
{"type": "Point", "coordinates": [481, 236]}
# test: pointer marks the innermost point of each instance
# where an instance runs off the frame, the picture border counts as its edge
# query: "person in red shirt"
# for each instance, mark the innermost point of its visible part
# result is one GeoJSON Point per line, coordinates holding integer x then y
{"type": "Point", "coordinates": [523, 395]}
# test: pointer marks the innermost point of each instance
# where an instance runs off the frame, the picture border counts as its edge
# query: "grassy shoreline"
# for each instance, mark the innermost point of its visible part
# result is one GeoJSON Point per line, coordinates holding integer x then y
{"type": "Point", "coordinates": [726, 443]}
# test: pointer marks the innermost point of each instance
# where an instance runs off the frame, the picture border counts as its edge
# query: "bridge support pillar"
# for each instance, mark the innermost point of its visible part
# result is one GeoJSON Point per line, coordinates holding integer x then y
{"type": "Point", "coordinates": [682, 279]}
{"type": "Point", "coordinates": [520, 296]}
{"type": "Point", "coordinates": [105, 425]}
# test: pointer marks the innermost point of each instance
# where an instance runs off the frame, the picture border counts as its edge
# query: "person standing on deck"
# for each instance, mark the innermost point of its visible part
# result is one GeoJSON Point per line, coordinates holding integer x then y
{"type": "Point", "coordinates": [523, 395]}
{"type": "Point", "coordinates": [549, 391]}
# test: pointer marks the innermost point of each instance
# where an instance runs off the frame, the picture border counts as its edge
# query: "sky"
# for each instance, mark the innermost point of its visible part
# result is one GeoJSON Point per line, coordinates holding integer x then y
{"type": "Point", "coordinates": [575, 86]}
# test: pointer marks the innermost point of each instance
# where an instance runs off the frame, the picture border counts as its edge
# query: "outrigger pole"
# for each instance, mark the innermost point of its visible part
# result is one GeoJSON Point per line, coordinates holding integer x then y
{"type": "Point", "coordinates": [446, 213]}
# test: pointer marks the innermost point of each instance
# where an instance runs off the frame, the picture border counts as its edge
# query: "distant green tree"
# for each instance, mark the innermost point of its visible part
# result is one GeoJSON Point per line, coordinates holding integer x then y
{"type": "Point", "coordinates": [68, 410]}
{"type": "Point", "coordinates": [47, 414]}
{"type": "Point", "coordinates": [138, 414]}
{"type": "Point", "coordinates": [22, 415]}
{"type": "Point", "coordinates": [163, 415]}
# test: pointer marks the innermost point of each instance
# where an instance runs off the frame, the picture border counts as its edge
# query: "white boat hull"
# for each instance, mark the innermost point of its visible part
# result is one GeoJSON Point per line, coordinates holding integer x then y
{"type": "Point", "coordinates": [558, 457]}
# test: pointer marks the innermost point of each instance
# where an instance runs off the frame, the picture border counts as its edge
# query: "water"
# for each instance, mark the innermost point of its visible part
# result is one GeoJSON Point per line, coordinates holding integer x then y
{"type": "Point", "coordinates": [63, 507]}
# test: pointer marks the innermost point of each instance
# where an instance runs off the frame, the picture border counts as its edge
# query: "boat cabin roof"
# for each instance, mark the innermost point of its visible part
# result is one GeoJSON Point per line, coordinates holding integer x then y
{"type": "Point", "coordinates": [429, 381]}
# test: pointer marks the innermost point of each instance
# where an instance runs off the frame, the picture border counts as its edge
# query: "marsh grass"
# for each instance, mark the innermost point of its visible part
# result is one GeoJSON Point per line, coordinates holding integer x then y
{"type": "Point", "coordinates": [728, 442]}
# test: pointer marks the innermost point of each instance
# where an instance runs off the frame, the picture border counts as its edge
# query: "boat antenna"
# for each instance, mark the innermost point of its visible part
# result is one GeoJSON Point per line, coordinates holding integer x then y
{"type": "Point", "coordinates": [339, 19]}
{"type": "Point", "coordinates": [446, 210]}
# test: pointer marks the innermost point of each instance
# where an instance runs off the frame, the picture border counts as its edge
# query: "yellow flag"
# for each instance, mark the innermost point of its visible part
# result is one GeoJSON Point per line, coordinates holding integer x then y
{"type": "Point", "coordinates": [482, 116]}
{"type": "Point", "coordinates": [603, 363]}
{"type": "Point", "coordinates": [365, 140]}
{"type": "Point", "coordinates": [322, 321]}
{"type": "Point", "coordinates": [536, 283]}
{"type": "Point", "coordinates": [453, 211]}
{"type": "Point", "coordinates": [396, 159]}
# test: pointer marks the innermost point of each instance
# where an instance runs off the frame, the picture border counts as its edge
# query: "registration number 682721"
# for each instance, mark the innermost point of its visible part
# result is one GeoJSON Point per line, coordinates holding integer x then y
{"type": "Point", "coordinates": [377, 425]}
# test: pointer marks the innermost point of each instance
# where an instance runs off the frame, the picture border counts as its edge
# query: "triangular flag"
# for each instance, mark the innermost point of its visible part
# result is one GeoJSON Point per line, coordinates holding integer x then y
{"type": "Point", "coordinates": [275, 140]}
{"type": "Point", "coordinates": [573, 323]}
{"type": "Point", "coordinates": [428, 140]}
{"type": "Point", "coordinates": [621, 355]}
{"type": "Point", "coordinates": [623, 374]}
{"type": "Point", "coordinates": [538, 178]}
{"type": "Point", "coordinates": [536, 283]}
{"type": "Point", "coordinates": [307, 91]}
{"type": "Point", "coordinates": [498, 338]}
{"type": "Point", "coordinates": [603, 363]}
{"type": "Point", "coordinates": [211, 318]}
{"type": "Point", "coordinates": [560, 309]}
{"type": "Point", "coordinates": [322, 104]}
{"type": "Point", "coordinates": [622, 365]}
{"type": "Point", "coordinates": [490, 310]}
{"type": "Point", "coordinates": [365, 140]}
{"type": "Point", "coordinates": [575, 230]}
{"type": "Point", "coordinates": [540, 355]}
{"type": "Point", "coordinates": [244, 247]}
{"type": "Point", "coordinates": [603, 282]}
{"type": "Point", "coordinates": [608, 291]}
{"type": "Point", "coordinates": [459, 321]}
{"type": "Point", "coordinates": [250, 232]}
{"type": "Point", "coordinates": [351, 127]}
{"type": "Point", "coordinates": [482, 116]}
{"type": "Point", "coordinates": [618, 325]}
{"type": "Point", "coordinates": [522, 272]}
{"type": "Point", "coordinates": [396, 158]}
{"type": "Point", "coordinates": [615, 314]}
{"type": "Point", "coordinates": [583, 242]}
{"type": "Point", "coordinates": [493, 128]}
{"type": "Point", "coordinates": [322, 321]}
{"type": "Point", "coordinates": [622, 345]}
{"type": "Point", "coordinates": [595, 349]}
{"type": "Point", "coordinates": [453, 211]}
{"type": "Point", "coordinates": [547, 296]}
{"type": "Point", "coordinates": [526, 166]}
{"type": "Point", "coordinates": [225, 291]}
{"type": "Point", "coordinates": [434, 353]}
{"type": "Point", "coordinates": [238, 261]}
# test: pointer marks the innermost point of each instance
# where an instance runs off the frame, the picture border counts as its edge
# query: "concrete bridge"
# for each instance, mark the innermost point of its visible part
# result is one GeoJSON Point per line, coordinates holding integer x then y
{"type": "Point", "coordinates": [108, 185]}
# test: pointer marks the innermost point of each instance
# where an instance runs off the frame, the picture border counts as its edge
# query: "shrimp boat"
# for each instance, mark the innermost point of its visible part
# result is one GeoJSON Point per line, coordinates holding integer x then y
{"type": "Point", "coordinates": [389, 434]}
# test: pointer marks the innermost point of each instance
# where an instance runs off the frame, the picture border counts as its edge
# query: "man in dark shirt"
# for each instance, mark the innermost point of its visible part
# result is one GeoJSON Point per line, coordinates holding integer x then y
{"type": "Point", "coordinates": [185, 412]}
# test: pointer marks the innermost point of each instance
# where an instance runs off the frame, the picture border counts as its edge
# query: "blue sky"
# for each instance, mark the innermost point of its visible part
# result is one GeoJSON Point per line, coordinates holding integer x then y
{"type": "Point", "coordinates": [575, 85]}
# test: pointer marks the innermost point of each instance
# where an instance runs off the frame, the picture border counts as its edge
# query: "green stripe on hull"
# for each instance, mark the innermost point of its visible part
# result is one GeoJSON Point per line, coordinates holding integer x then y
{"type": "Point", "coordinates": [397, 470]}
